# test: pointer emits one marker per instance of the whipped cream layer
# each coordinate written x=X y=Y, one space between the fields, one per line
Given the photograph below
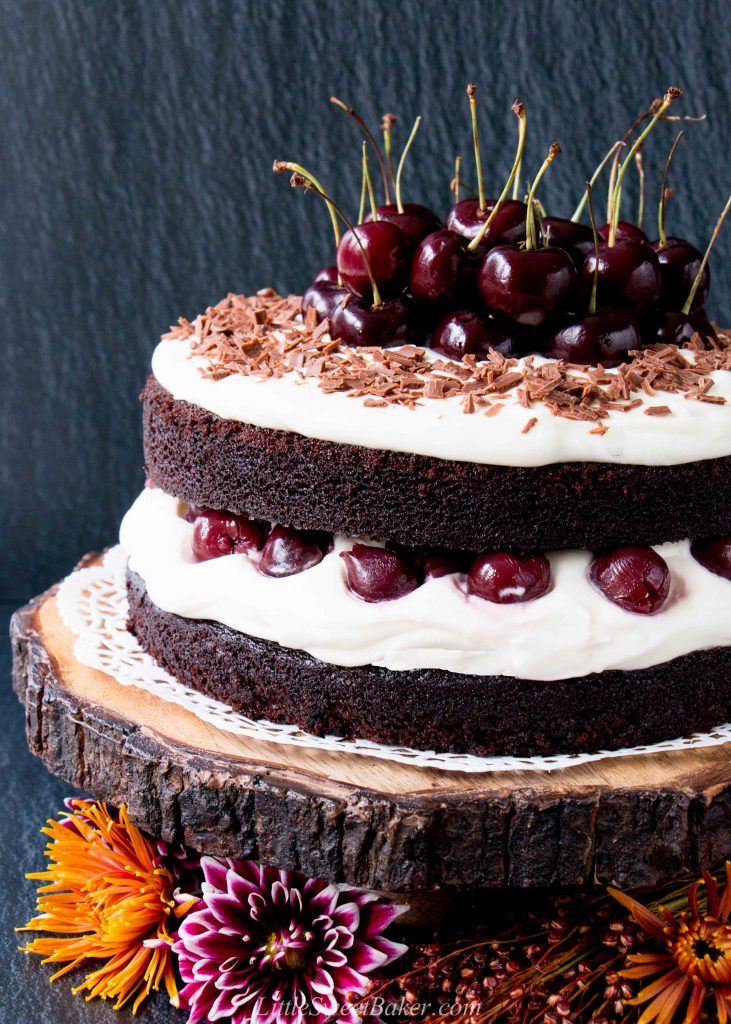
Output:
x=693 y=431
x=571 y=631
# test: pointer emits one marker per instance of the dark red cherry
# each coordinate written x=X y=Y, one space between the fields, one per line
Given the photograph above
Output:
x=416 y=221
x=437 y=267
x=324 y=297
x=288 y=551
x=637 y=579
x=526 y=285
x=628 y=275
x=328 y=274
x=673 y=328
x=703 y=325
x=508 y=225
x=438 y=562
x=388 y=251
x=505 y=578
x=466 y=332
x=605 y=338
x=222 y=533
x=714 y=554
x=357 y=322
x=467 y=219
x=576 y=239
x=625 y=229
x=377 y=574
x=679 y=265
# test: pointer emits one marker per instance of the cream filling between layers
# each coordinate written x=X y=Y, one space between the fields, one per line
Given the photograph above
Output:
x=438 y=427
x=571 y=631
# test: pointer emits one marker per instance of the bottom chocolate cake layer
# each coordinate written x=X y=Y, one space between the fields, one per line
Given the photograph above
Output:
x=431 y=709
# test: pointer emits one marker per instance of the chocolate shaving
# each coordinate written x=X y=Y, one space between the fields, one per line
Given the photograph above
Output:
x=265 y=336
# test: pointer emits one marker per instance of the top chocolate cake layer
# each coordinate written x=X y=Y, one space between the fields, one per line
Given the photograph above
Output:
x=419 y=500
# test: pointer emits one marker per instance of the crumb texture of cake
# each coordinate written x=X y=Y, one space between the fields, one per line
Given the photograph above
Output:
x=429 y=709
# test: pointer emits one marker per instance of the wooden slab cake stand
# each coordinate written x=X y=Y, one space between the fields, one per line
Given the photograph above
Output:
x=633 y=821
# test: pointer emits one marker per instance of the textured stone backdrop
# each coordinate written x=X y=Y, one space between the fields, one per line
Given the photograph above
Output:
x=137 y=143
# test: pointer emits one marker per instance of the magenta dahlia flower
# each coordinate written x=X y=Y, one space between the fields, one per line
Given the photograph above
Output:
x=264 y=946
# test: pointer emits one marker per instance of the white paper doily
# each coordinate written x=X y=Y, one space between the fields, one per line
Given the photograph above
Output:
x=93 y=604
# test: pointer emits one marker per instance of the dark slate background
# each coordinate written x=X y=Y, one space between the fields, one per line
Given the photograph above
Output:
x=135 y=185
x=136 y=155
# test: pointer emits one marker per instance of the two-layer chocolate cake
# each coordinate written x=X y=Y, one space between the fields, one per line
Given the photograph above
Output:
x=466 y=496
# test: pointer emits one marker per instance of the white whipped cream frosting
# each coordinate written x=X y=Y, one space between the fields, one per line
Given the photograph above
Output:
x=571 y=631
x=438 y=427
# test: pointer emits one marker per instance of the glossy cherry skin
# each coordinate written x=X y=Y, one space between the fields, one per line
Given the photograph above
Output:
x=714 y=554
x=628 y=275
x=328 y=274
x=527 y=286
x=466 y=332
x=357 y=322
x=222 y=533
x=388 y=251
x=324 y=297
x=416 y=221
x=625 y=229
x=505 y=578
x=377 y=574
x=635 y=578
x=679 y=265
x=508 y=225
x=671 y=328
x=438 y=562
x=604 y=338
x=437 y=267
x=288 y=551
x=576 y=239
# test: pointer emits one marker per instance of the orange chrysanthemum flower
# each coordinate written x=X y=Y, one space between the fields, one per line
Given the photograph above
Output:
x=110 y=895
x=696 y=961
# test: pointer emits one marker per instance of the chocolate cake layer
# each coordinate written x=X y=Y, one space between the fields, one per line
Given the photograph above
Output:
x=416 y=500
x=431 y=709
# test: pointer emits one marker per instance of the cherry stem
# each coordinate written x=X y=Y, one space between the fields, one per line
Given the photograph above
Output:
x=664 y=193
x=363 y=193
x=280 y=165
x=576 y=215
x=455 y=183
x=402 y=161
x=595 y=281
x=471 y=93
x=670 y=96
x=301 y=178
x=694 y=288
x=369 y=183
x=516 y=180
x=531 y=237
x=387 y=123
x=369 y=135
x=641 y=178
x=519 y=111
x=613 y=179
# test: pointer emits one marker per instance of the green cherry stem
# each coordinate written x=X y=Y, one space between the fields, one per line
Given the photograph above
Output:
x=576 y=215
x=402 y=161
x=369 y=135
x=369 y=183
x=670 y=96
x=519 y=111
x=301 y=178
x=613 y=179
x=664 y=192
x=595 y=281
x=455 y=183
x=531 y=236
x=281 y=165
x=363 y=194
x=641 y=178
x=471 y=93
x=387 y=123
x=704 y=261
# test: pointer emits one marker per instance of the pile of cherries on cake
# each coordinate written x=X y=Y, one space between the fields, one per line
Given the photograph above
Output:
x=501 y=274
x=635 y=578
